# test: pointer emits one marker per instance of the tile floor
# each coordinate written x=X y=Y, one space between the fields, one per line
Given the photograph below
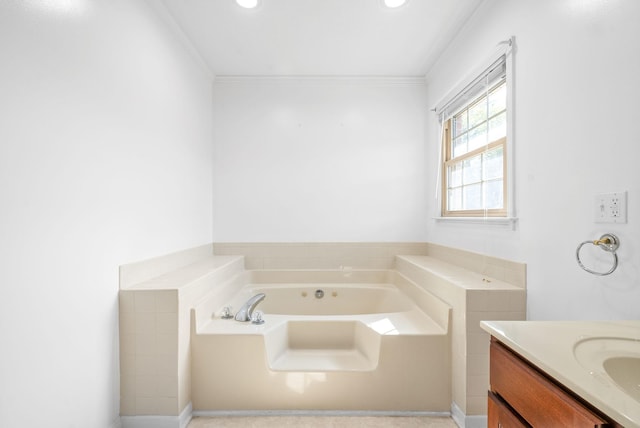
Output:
x=322 y=422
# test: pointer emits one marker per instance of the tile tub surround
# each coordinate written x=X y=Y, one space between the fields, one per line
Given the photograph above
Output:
x=502 y=298
x=155 y=362
x=473 y=297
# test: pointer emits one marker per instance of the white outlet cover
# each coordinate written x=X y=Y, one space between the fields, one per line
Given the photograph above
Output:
x=610 y=207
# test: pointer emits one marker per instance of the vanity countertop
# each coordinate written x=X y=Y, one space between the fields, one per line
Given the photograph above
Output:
x=572 y=353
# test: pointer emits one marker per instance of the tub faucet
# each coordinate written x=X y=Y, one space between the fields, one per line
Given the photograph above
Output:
x=245 y=312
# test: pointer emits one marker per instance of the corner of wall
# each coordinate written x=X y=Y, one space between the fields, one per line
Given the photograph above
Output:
x=464 y=421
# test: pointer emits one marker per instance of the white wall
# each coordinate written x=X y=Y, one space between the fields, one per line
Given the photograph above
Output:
x=576 y=103
x=105 y=158
x=319 y=159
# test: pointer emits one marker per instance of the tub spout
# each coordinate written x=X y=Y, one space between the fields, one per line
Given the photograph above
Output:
x=245 y=312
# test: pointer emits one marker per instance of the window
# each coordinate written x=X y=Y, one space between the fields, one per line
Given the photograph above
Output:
x=474 y=147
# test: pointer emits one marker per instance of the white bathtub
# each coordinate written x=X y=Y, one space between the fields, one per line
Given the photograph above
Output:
x=374 y=341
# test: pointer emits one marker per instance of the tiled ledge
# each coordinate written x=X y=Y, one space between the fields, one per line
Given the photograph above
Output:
x=501 y=269
x=474 y=296
x=461 y=277
x=181 y=278
x=155 y=299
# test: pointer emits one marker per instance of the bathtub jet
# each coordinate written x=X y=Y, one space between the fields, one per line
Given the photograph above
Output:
x=246 y=311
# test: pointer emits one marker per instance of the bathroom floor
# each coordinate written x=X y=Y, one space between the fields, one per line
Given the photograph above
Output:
x=322 y=422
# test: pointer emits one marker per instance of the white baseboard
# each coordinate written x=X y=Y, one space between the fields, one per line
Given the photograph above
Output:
x=185 y=416
x=211 y=413
x=180 y=421
x=117 y=423
x=464 y=421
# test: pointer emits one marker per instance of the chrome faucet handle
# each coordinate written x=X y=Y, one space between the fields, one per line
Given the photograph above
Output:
x=226 y=313
x=257 y=318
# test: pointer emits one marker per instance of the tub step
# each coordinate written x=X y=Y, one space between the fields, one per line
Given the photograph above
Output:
x=322 y=346
x=322 y=360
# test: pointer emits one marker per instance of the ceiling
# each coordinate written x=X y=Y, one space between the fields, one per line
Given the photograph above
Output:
x=320 y=37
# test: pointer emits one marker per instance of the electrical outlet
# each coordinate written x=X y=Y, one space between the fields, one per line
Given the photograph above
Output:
x=610 y=207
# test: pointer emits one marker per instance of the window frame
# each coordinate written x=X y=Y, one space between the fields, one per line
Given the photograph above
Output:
x=448 y=160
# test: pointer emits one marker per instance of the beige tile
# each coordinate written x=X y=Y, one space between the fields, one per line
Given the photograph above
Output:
x=477 y=404
x=145 y=301
x=167 y=344
x=166 y=386
x=127 y=344
x=477 y=384
x=518 y=302
x=478 y=364
x=146 y=365
x=146 y=386
x=127 y=405
x=127 y=323
x=478 y=343
x=503 y=300
x=478 y=300
x=167 y=364
x=145 y=344
x=146 y=406
x=145 y=323
x=167 y=301
x=126 y=301
x=167 y=406
x=128 y=386
x=167 y=323
x=473 y=321
x=127 y=364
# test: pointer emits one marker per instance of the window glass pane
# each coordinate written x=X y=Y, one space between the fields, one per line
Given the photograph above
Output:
x=460 y=123
x=478 y=137
x=478 y=112
x=493 y=163
x=455 y=199
x=498 y=99
x=498 y=127
x=477 y=183
x=472 y=170
x=472 y=197
x=493 y=194
x=455 y=176
x=460 y=146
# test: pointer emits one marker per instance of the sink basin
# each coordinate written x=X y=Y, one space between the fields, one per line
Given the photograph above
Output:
x=625 y=372
x=612 y=360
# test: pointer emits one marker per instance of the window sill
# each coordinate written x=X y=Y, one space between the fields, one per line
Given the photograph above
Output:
x=493 y=221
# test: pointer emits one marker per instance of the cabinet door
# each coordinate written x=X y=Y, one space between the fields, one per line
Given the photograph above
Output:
x=501 y=416
x=538 y=400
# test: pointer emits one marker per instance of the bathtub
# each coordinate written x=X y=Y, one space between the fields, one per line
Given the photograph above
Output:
x=332 y=340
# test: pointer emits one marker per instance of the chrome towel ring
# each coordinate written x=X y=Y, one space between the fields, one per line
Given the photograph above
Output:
x=608 y=242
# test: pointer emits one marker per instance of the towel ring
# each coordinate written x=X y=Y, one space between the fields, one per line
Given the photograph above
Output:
x=607 y=242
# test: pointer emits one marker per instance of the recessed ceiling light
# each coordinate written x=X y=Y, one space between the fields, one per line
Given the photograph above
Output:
x=248 y=4
x=394 y=3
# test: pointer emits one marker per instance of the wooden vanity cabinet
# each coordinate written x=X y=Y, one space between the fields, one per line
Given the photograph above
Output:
x=522 y=396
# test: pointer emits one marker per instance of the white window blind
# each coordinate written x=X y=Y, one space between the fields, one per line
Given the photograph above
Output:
x=484 y=80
